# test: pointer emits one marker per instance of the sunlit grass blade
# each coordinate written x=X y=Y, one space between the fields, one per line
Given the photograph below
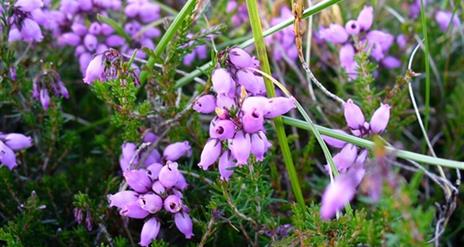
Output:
x=427 y=65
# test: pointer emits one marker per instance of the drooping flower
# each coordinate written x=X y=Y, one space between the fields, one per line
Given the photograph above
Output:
x=11 y=143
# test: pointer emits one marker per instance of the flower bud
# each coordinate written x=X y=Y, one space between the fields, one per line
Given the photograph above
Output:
x=44 y=98
x=222 y=82
x=71 y=39
x=259 y=145
x=173 y=204
x=138 y=180
x=184 y=224
x=226 y=166
x=253 y=122
x=132 y=10
x=240 y=146
x=210 y=153
x=7 y=156
x=240 y=58
x=334 y=142
x=115 y=40
x=205 y=104
x=79 y=29
x=150 y=137
x=17 y=141
x=278 y=106
x=176 y=150
x=151 y=203
x=379 y=119
x=365 y=18
x=133 y=210
x=149 y=231
x=158 y=188
x=221 y=129
x=90 y=42
x=169 y=174
x=95 y=28
x=353 y=115
x=149 y=12
x=128 y=152
x=122 y=198
x=30 y=31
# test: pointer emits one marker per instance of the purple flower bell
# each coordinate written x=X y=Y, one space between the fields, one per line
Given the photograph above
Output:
x=153 y=170
x=17 y=141
x=334 y=142
x=366 y=18
x=169 y=174
x=122 y=198
x=222 y=129
x=176 y=150
x=138 y=180
x=334 y=33
x=352 y=27
x=278 y=106
x=149 y=231
x=226 y=166
x=240 y=58
x=210 y=153
x=445 y=18
x=7 y=156
x=151 y=203
x=222 y=82
x=158 y=188
x=133 y=210
x=205 y=104
x=44 y=98
x=353 y=115
x=253 y=121
x=259 y=145
x=184 y=224
x=94 y=70
x=346 y=157
x=336 y=195
x=379 y=119
x=128 y=152
x=240 y=146
x=252 y=82
x=173 y=204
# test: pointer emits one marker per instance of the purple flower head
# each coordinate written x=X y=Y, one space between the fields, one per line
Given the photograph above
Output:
x=122 y=198
x=169 y=174
x=205 y=104
x=149 y=232
x=138 y=180
x=184 y=224
x=173 y=204
x=226 y=166
x=176 y=150
x=379 y=119
x=151 y=203
x=222 y=129
x=210 y=153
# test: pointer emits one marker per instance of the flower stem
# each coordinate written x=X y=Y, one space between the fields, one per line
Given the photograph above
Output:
x=427 y=64
x=255 y=23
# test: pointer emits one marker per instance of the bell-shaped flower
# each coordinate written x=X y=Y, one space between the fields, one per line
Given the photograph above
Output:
x=71 y=39
x=333 y=142
x=221 y=129
x=158 y=188
x=253 y=121
x=169 y=174
x=334 y=33
x=133 y=210
x=122 y=198
x=352 y=27
x=115 y=40
x=379 y=119
x=383 y=39
x=278 y=106
x=94 y=70
x=14 y=35
x=184 y=224
x=253 y=83
x=128 y=152
x=176 y=150
x=138 y=180
x=29 y=5
x=44 y=98
x=240 y=146
x=445 y=18
x=255 y=103
x=173 y=204
x=153 y=157
x=259 y=145
x=240 y=58
x=353 y=115
x=365 y=18
x=336 y=195
x=226 y=166
x=90 y=42
x=150 y=137
x=150 y=230
x=7 y=156
x=391 y=62
x=225 y=102
x=181 y=182
x=210 y=153
x=17 y=141
x=205 y=104
x=222 y=82
x=150 y=202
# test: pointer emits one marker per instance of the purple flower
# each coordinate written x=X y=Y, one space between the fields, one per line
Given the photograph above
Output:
x=17 y=141
x=128 y=152
x=149 y=232
x=353 y=115
x=122 y=198
x=253 y=121
x=205 y=104
x=184 y=224
x=138 y=180
x=30 y=31
x=151 y=203
x=173 y=204
x=133 y=210
x=176 y=150
x=240 y=146
x=158 y=188
x=336 y=195
x=346 y=157
x=7 y=156
x=252 y=82
x=352 y=27
x=153 y=170
x=379 y=119
x=94 y=70
x=365 y=18
x=226 y=166
x=222 y=129
x=169 y=175
x=44 y=98
x=210 y=153
x=334 y=33
x=240 y=58
x=259 y=145
x=222 y=82
x=28 y=5
x=278 y=106
x=445 y=18
x=334 y=142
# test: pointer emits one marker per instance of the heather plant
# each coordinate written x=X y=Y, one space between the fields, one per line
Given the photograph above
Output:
x=231 y=123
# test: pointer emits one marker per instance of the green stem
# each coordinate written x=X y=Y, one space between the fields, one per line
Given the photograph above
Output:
x=427 y=65
x=307 y=13
x=256 y=27
x=370 y=145
x=167 y=37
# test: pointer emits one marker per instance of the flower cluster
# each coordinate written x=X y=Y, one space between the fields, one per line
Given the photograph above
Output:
x=376 y=42
x=283 y=42
x=237 y=130
x=350 y=160
x=240 y=13
x=46 y=82
x=24 y=21
x=155 y=184
x=11 y=143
